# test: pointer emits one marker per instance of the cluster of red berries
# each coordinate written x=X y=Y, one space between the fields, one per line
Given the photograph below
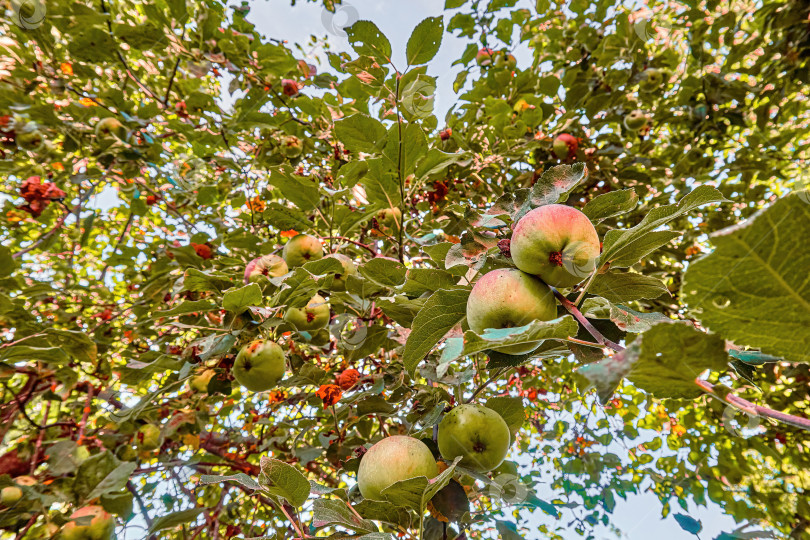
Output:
x=38 y=195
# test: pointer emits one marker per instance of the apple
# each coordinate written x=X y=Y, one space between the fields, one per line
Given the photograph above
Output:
x=565 y=146
x=476 y=433
x=392 y=460
x=505 y=59
x=635 y=120
x=291 y=146
x=10 y=495
x=484 y=56
x=313 y=316
x=259 y=365
x=302 y=249
x=148 y=437
x=389 y=219
x=349 y=269
x=508 y=298
x=26 y=481
x=267 y=265
x=109 y=127
x=199 y=382
x=289 y=87
x=653 y=79
x=557 y=243
x=89 y=523
x=30 y=140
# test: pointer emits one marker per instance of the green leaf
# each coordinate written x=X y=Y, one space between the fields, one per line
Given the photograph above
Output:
x=284 y=480
x=367 y=39
x=642 y=246
x=415 y=493
x=610 y=204
x=616 y=240
x=114 y=481
x=385 y=272
x=753 y=289
x=185 y=308
x=240 y=478
x=7 y=263
x=174 y=519
x=533 y=332
x=361 y=133
x=551 y=188
x=326 y=512
x=511 y=409
x=442 y=311
x=76 y=344
x=689 y=524
x=425 y=41
x=21 y=353
x=384 y=511
x=238 y=300
x=626 y=286
x=671 y=356
x=199 y=281
x=302 y=191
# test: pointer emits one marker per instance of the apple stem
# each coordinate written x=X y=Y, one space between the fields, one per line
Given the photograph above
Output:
x=582 y=293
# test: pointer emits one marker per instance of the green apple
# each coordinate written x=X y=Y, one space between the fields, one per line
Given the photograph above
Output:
x=349 y=269
x=110 y=128
x=199 y=382
x=302 y=249
x=148 y=437
x=484 y=56
x=508 y=298
x=389 y=219
x=635 y=120
x=30 y=140
x=565 y=146
x=268 y=265
x=259 y=365
x=314 y=316
x=557 y=243
x=476 y=433
x=653 y=79
x=392 y=460
x=291 y=146
x=89 y=523
x=10 y=495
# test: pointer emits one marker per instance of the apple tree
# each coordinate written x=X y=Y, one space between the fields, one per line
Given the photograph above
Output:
x=247 y=292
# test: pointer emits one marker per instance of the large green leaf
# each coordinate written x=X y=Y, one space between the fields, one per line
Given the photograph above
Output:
x=361 y=133
x=753 y=289
x=284 y=480
x=367 y=39
x=425 y=41
x=626 y=286
x=443 y=310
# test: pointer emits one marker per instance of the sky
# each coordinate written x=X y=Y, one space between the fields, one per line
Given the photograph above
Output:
x=639 y=516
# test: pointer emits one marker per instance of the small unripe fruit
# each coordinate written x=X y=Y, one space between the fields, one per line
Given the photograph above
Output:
x=557 y=243
x=392 y=460
x=291 y=146
x=148 y=437
x=314 y=316
x=565 y=146
x=110 y=127
x=30 y=140
x=477 y=433
x=349 y=269
x=635 y=120
x=10 y=495
x=89 y=523
x=508 y=298
x=267 y=265
x=484 y=56
x=259 y=365
x=653 y=79
x=302 y=249
x=389 y=219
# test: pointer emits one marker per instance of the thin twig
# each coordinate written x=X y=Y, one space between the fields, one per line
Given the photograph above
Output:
x=572 y=309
